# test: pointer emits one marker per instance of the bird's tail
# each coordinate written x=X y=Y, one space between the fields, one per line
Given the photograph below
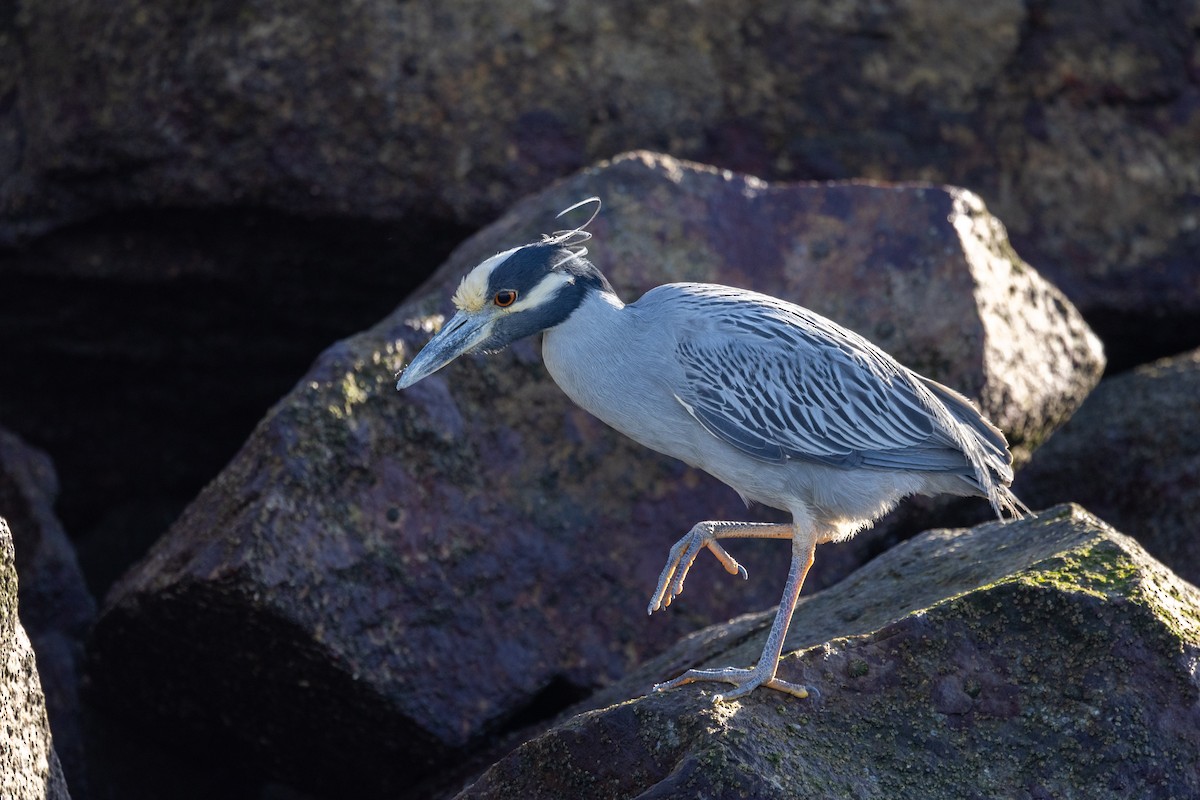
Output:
x=1005 y=502
x=987 y=451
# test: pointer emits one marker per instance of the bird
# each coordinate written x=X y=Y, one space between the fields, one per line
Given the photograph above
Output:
x=789 y=408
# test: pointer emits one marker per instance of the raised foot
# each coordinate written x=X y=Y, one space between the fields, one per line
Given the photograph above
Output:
x=680 y=559
x=745 y=681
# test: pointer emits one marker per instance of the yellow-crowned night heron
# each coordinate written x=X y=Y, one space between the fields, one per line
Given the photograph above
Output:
x=790 y=409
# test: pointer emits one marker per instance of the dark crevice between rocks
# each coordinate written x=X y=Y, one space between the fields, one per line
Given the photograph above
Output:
x=556 y=702
x=1142 y=314
x=140 y=349
x=1132 y=339
x=275 y=704
x=554 y=698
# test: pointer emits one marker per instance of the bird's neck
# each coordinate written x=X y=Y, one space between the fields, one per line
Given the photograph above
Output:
x=597 y=310
x=593 y=334
x=601 y=303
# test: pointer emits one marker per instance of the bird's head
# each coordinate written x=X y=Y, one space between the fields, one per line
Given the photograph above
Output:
x=512 y=295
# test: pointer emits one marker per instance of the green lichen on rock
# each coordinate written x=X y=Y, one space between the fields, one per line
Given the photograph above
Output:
x=1055 y=659
x=1113 y=567
x=1104 y=570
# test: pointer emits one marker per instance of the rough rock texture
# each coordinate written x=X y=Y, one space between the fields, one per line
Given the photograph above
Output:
x=114 y=331
x=29 y=768
x=381 y=581
x=925 y=272
x=56 y=608
x=194 y=201
x=1131 y=454
x=1078 y=122
x=1047 y=658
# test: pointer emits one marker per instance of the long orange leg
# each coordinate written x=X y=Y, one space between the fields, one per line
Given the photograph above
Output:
x=804 y=545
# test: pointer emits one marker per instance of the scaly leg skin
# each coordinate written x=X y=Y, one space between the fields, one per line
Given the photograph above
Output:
x=746 y=681
x=763 y=674
x=702 y=535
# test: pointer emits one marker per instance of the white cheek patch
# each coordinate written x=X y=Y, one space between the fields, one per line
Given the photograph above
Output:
x=545 y=289
x=472 y=293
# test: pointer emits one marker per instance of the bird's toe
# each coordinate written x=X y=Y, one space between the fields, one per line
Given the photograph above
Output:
x=744 y=682
x=730 y=563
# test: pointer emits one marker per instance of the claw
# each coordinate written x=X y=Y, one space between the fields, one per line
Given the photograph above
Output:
x=679 y=563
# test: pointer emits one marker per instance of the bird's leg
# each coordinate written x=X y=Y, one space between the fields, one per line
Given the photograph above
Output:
x=705 y=534
x=804 y=544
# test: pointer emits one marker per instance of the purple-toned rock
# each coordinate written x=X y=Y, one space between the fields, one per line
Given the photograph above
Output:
x=1078 y=122
x=1132 y=455
x=208 y=199
x=384 y=581
x=1051 y=657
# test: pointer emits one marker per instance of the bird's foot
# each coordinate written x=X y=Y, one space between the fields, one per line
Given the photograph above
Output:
x=679 y=561
x=744 y=681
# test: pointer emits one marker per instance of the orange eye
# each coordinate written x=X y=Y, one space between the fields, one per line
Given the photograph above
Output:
x=505 y=297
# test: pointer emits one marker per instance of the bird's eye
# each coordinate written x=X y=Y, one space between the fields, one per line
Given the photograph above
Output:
x=505 y=297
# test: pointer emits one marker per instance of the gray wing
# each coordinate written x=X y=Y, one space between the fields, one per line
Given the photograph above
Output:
x=780 y=382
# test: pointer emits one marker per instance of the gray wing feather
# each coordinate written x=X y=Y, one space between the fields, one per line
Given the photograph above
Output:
x=779 y=382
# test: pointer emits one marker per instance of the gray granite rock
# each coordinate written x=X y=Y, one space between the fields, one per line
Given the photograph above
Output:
x=1051 y=657
x=1131 y=454
x=390 y=581
x=56 y=607
x=1076 y=122
x=29 y=767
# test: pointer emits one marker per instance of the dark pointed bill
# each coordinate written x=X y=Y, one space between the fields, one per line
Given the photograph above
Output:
x=462 y=333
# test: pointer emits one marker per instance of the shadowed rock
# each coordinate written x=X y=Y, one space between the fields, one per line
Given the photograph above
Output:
x=1077 y=122
x=175 y=185
x=1131 y=454
x=1051 y=657
x=380 y=582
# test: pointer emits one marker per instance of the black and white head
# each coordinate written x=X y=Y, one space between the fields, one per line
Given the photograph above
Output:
x=512 y=295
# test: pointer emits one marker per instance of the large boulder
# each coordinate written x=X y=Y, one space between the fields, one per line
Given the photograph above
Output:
x=1076 y=122
x=56 y=607
x=29 y=767
x=116 y=332
x=1131 y=454
x=192 y=203
x=380 y=582
x=1052 y=657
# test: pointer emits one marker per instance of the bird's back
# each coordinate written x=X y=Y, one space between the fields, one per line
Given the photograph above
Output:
x=780 y=382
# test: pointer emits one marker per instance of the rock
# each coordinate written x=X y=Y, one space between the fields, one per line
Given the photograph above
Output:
x=1051 y=657
x=207 y=200
x=56 y=608
x=29 y=768
x=886 y=260
x=1076 y=122
x=1132 y=455
x=198 y=315
x=53 y=594
x=360 y=549
x=387 y=581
